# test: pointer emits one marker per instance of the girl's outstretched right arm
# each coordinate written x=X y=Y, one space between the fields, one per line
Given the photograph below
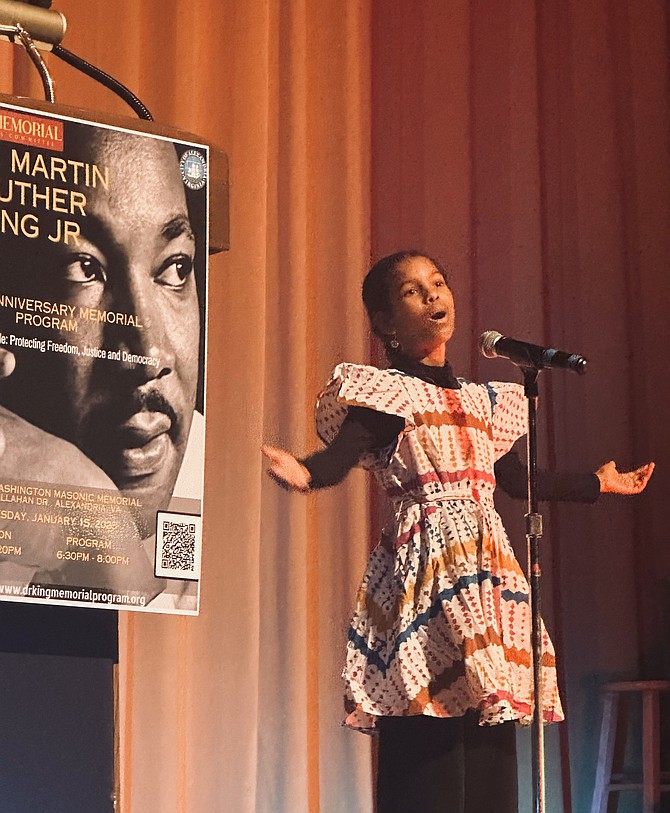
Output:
x=287 y=470
x=364 y=430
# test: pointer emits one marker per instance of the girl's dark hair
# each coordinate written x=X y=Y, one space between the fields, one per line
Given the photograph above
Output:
x=377 y=282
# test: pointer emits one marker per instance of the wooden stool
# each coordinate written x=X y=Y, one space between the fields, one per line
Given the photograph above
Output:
x=651 y=784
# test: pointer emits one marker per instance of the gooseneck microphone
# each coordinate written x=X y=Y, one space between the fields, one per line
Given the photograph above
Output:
x=43 y=24
x=494 y=345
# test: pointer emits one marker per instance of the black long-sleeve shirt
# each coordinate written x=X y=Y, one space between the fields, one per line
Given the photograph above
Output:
x=365 y=430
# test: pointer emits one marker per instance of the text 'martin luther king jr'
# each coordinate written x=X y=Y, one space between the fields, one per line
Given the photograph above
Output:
x=118 y=249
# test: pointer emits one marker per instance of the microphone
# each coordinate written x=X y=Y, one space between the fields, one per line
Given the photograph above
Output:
x=44 y=25
x=494 y=345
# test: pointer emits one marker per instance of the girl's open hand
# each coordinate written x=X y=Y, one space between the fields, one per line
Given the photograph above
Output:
x=286 y=470
x=613 y=481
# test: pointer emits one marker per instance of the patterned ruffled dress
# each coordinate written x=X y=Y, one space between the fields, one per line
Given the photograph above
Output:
x=442 y=619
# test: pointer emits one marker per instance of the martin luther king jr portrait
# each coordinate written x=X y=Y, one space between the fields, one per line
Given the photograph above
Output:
x=116 y=243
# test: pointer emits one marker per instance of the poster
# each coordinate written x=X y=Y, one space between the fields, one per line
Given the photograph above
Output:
x=103 y=284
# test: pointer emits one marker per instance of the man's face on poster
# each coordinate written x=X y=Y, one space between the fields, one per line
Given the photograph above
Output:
x=127 y=397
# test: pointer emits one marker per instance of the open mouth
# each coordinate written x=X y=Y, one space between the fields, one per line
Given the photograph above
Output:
x=438 y=315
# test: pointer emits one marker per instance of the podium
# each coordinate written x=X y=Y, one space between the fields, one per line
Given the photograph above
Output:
x=106 y=513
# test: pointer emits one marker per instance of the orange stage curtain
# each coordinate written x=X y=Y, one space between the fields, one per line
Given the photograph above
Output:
x=240 y=709
x=524 y=143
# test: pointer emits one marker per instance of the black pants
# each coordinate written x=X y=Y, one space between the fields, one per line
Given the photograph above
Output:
x=429 y=765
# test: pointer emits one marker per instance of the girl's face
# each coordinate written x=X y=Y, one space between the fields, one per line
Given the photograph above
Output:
x=422 y=314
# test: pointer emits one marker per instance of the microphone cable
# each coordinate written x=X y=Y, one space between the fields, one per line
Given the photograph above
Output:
x=35 y=25
x=105 y=79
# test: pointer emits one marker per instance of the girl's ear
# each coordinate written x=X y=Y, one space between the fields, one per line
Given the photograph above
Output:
x=382 y=324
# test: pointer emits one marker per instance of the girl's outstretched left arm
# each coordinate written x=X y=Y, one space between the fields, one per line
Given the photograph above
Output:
x=613 y=481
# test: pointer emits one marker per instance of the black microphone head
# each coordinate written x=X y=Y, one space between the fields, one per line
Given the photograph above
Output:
x=579 y=365
x=487 y=343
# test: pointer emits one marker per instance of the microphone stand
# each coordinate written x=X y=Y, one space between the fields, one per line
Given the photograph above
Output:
x=533 y=536
x=531 y=358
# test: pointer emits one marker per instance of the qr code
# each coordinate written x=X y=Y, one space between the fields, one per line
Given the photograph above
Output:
x=178 y=545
